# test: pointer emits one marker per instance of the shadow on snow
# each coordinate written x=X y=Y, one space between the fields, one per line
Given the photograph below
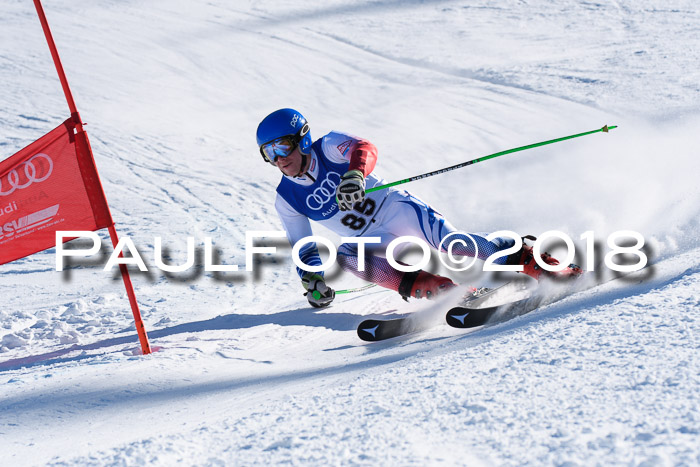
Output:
x=306 y=316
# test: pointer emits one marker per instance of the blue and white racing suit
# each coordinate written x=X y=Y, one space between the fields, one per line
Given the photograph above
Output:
x=388 y=214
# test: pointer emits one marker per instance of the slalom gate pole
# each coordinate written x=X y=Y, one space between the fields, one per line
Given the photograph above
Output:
x=57 y=63
x=140 y=328
x=605 y=129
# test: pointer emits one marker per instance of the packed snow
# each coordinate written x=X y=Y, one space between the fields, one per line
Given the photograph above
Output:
x=246 y=372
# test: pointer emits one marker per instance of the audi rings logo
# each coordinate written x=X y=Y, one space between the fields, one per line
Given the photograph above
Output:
x=35 y=170
x=324 y=193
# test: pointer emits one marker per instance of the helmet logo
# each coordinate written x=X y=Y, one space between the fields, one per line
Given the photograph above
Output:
x=294 y=121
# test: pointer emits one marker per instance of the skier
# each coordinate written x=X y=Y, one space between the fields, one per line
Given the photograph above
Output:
x=340 y=167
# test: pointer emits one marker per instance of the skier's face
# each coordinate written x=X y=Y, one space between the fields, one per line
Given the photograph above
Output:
x=290 y=165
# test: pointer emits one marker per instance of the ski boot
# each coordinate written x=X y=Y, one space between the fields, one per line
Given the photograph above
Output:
x=472 y=293
x=421 y=284
x=526 y=258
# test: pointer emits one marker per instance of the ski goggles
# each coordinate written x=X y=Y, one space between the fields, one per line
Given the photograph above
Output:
x=280 y=147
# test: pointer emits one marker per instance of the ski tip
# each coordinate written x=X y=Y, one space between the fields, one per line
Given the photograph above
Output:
x=367 y=330
x=378 y=330
x=457 y=316
x=461 y=317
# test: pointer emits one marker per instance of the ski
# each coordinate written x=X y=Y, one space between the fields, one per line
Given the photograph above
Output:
x=472 y=315
x=483 y=306
x=465 y=317
x=373 y=330
x=379 y=329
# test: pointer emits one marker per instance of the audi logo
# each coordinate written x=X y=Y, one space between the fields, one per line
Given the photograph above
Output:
x=324 y=193
x=37 y=169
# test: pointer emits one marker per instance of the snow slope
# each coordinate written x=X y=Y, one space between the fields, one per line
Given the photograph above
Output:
x=247 y=374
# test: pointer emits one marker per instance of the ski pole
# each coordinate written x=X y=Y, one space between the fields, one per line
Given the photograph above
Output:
x=357 y=289
x=605 y=129
x=317 y=294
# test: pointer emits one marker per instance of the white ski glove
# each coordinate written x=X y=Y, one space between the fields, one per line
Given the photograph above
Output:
x=351 y=190
x=317 y=292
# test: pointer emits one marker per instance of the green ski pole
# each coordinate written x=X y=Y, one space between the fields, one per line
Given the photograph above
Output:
x=357 y=289
x=605 y=129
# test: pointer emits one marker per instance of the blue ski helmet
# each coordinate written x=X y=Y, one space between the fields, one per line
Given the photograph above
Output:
x=285 y=122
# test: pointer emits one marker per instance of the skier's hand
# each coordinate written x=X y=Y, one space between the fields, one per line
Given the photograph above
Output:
x=351 y=190
x=317 y=292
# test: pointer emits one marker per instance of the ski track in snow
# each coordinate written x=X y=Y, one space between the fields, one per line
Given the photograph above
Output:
x=247 y=373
